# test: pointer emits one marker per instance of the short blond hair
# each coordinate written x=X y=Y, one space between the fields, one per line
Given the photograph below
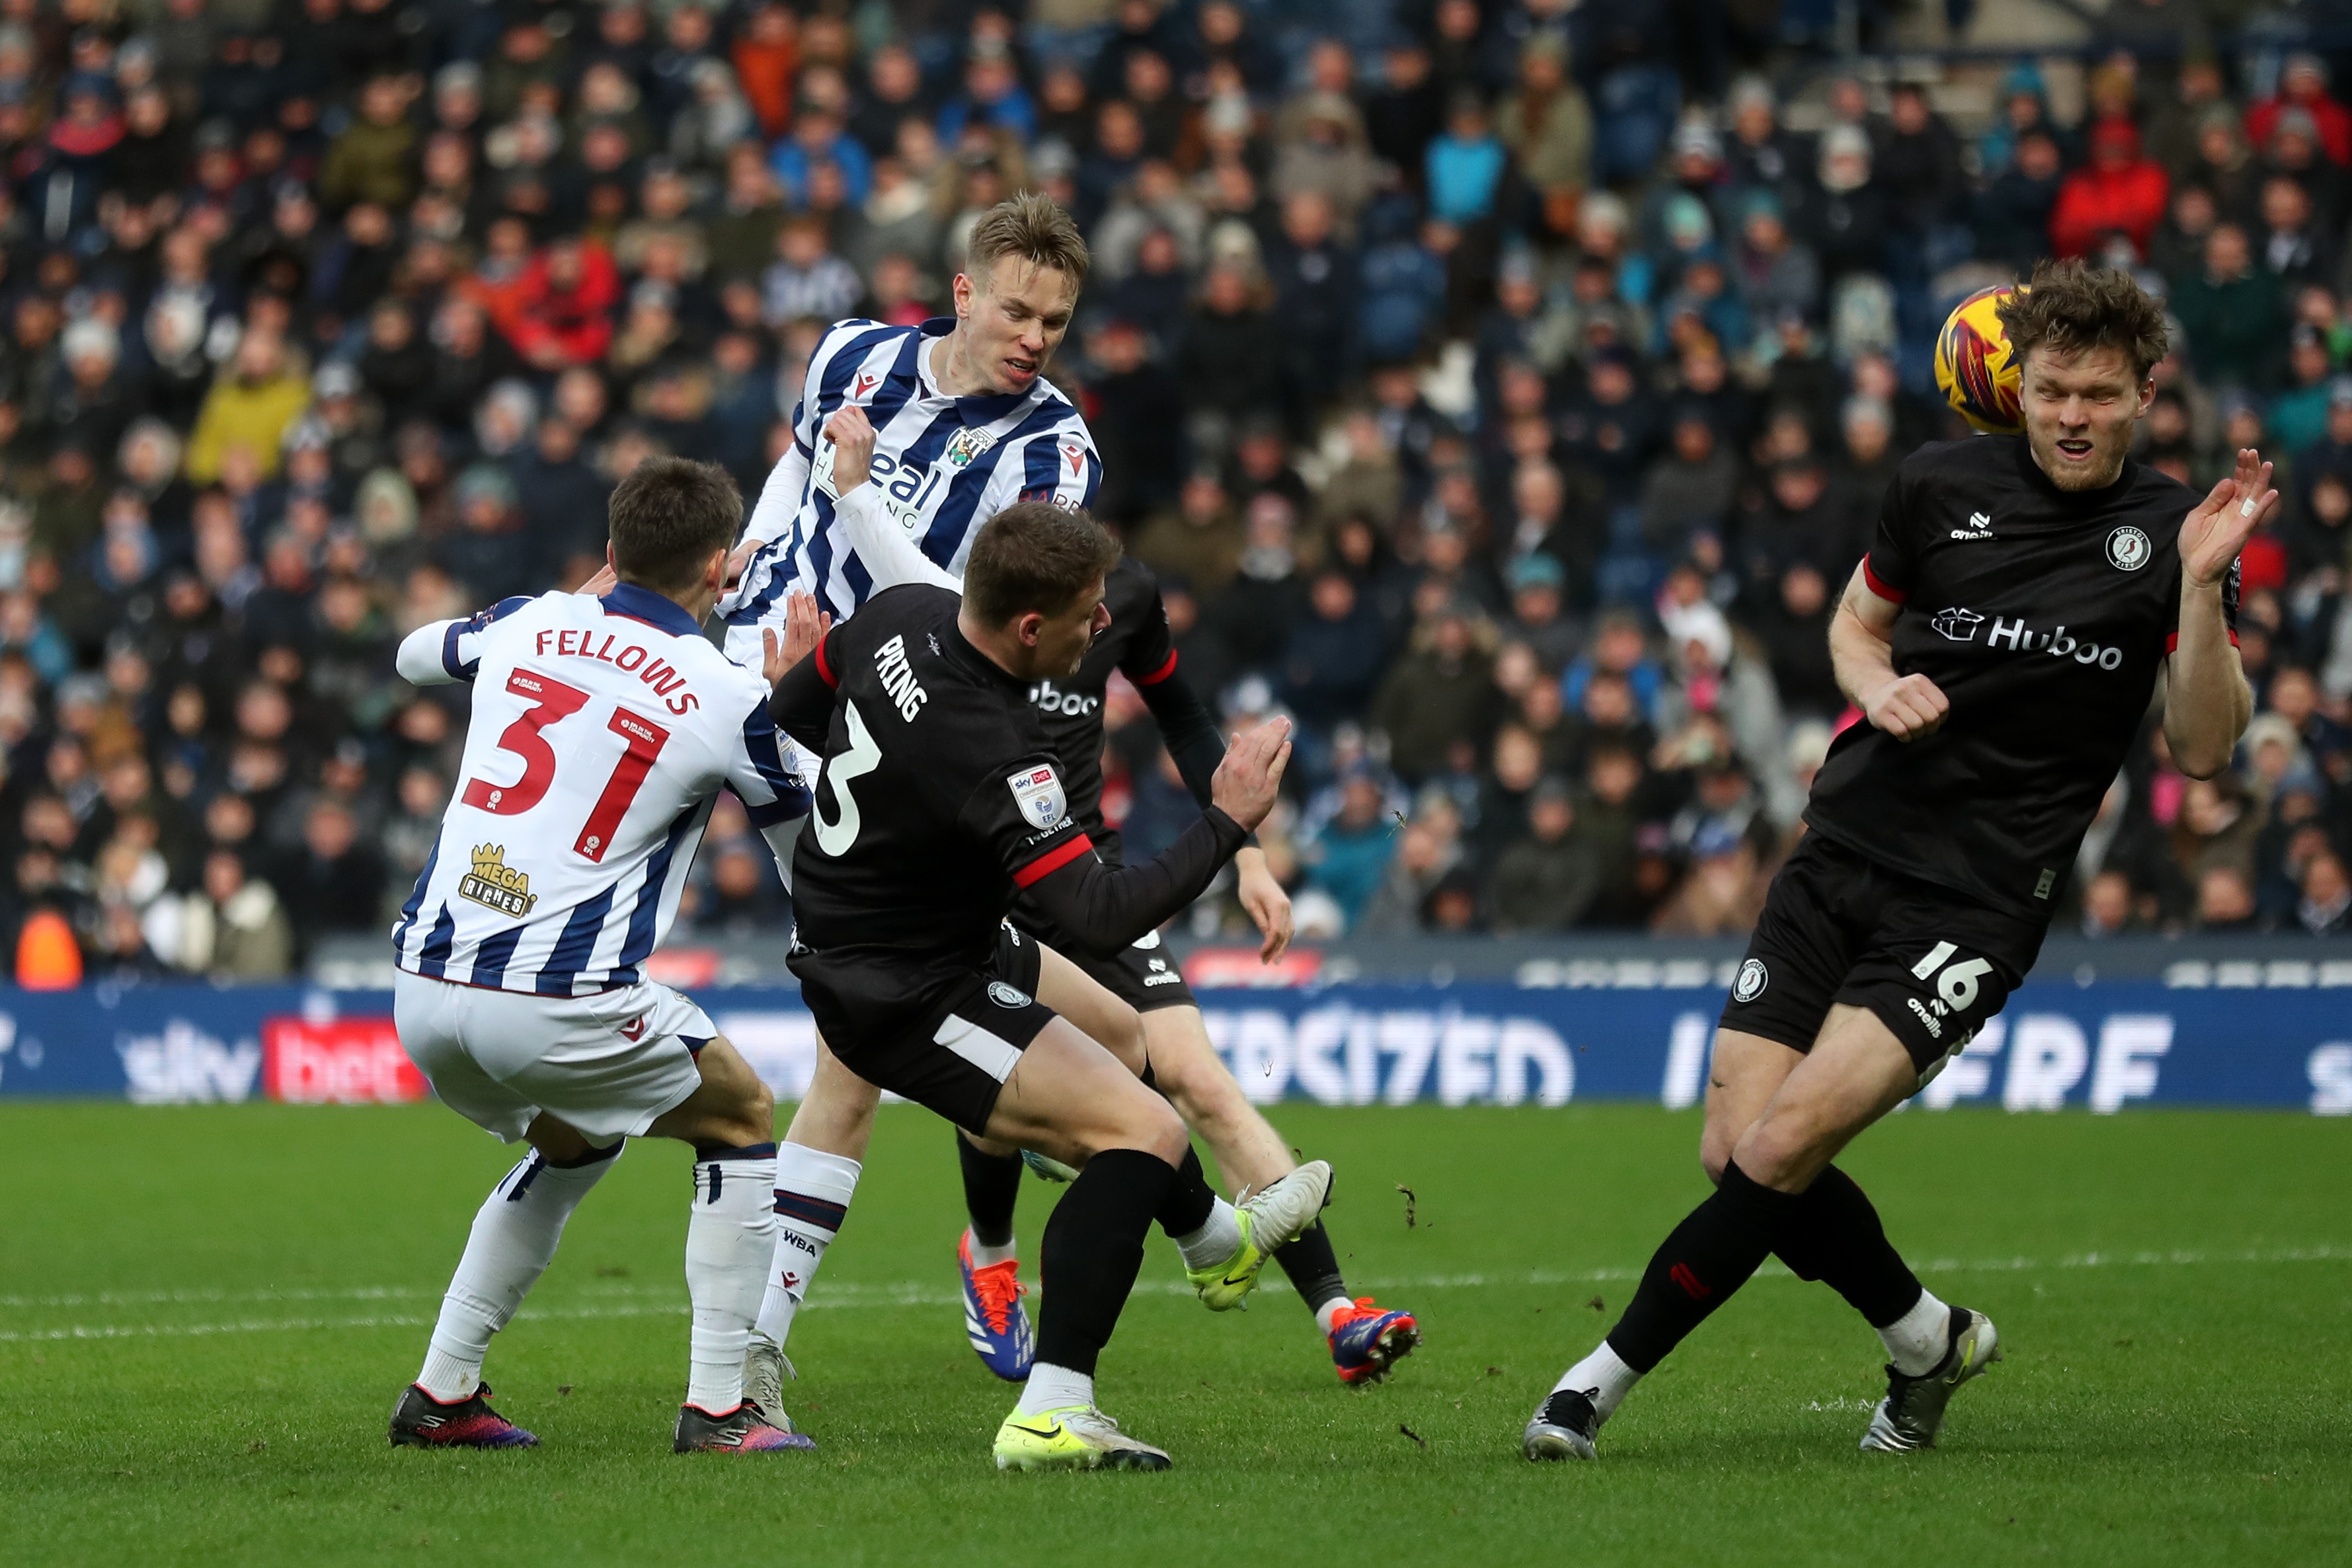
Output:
x=1033 y=228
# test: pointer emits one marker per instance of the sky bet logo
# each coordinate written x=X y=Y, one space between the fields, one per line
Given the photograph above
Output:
x=1961 y=624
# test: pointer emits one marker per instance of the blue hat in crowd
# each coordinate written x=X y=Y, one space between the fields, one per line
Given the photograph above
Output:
x=1536 y=570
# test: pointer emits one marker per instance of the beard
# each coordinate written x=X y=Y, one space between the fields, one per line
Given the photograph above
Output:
x=2108 y=451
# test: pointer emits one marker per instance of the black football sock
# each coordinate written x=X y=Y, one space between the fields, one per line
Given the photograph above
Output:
x=1190 y=1199
x=1092 y=1252
x=1710 y=1254
x=1833 y=1234
x=1313 y=1268
x=991 y=1185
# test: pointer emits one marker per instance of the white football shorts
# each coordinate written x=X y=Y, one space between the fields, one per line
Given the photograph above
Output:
x=608 y=1064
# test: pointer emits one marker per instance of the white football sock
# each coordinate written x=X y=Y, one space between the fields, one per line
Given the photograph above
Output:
x=512 y=1242
x=812 y=1197
x=1052 y=1387
x=1329 y=1311
x=982 y=1255
x=1213 y=1242
x=1603 y=1377
x=1917 y=1341
x=731 y=1238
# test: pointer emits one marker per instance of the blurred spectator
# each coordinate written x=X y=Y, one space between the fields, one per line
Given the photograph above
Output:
x=375 y=159
x=247 y=411
x=1547 y=125
x=807 y=281
x=2232 y=313
x=2120 y=192
x=2012 y=213
x=1539 y=620
x=2326 y=908
x=1324 y=150
x=1690 y=487
x=1332 y=661
x=1439 y=692
x=1429 y=852
x=234 y=927
x=2225 y=902
x=331 y=884
x=1347 y=845
x=1546 y=880
x=2302 y=85
x=1722 y=894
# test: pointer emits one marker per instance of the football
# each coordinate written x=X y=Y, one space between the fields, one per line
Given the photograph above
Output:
x=1974 y=369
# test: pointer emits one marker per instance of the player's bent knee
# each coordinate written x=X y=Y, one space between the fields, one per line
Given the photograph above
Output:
x=1142 y=1121
x=1781 y=1151
x=1716 y=1144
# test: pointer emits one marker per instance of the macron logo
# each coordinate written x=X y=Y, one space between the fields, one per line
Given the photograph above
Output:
x=1980 y=527
x=866 y=382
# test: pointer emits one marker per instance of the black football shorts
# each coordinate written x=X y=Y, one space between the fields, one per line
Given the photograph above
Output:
x=945 y=1038
x=1839 y=927
x=1143 y=975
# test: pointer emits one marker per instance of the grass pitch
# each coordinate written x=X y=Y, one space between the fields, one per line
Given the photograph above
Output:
x=206 y=1315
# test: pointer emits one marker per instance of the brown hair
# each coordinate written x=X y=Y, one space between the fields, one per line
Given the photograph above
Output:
x=2068 y=307
x=668 y=517
x=1033 y=228
x=1034 y=555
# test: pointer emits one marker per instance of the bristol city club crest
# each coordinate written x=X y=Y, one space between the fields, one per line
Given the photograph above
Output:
x=2128 y=549
x=1039 y=792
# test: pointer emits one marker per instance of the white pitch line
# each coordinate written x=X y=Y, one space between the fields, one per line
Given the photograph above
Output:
x=344 y=1293
x=910 y=1293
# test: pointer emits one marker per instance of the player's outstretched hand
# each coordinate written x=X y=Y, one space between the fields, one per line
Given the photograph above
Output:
x=804 y=627
x=1907 y=707
x=1248 y=780
x=851 y=435
x=1263 y=897
x=2212 y=534
x=603 y=582
x=738 y=558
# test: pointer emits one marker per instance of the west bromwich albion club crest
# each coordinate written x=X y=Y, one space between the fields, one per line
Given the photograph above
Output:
x=967 y=443
x=1039 y=792
x=494 y=885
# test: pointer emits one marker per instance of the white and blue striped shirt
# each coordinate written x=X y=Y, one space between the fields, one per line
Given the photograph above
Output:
x=602 y=733
x=942 y=467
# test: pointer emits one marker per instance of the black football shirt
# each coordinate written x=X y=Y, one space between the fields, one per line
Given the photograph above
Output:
x=2045 y=615
x=941 y=793
x=1138 y=644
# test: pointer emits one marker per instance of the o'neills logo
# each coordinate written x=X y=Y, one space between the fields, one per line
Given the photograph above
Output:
x=493 y=885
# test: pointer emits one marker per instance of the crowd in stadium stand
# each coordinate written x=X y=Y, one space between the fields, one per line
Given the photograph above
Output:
x=1504 y=388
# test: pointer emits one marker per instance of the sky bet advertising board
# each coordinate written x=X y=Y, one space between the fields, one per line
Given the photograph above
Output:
x=2110 y=1047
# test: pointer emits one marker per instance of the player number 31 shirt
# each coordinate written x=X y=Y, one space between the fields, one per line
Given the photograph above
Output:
x=2045 y=615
